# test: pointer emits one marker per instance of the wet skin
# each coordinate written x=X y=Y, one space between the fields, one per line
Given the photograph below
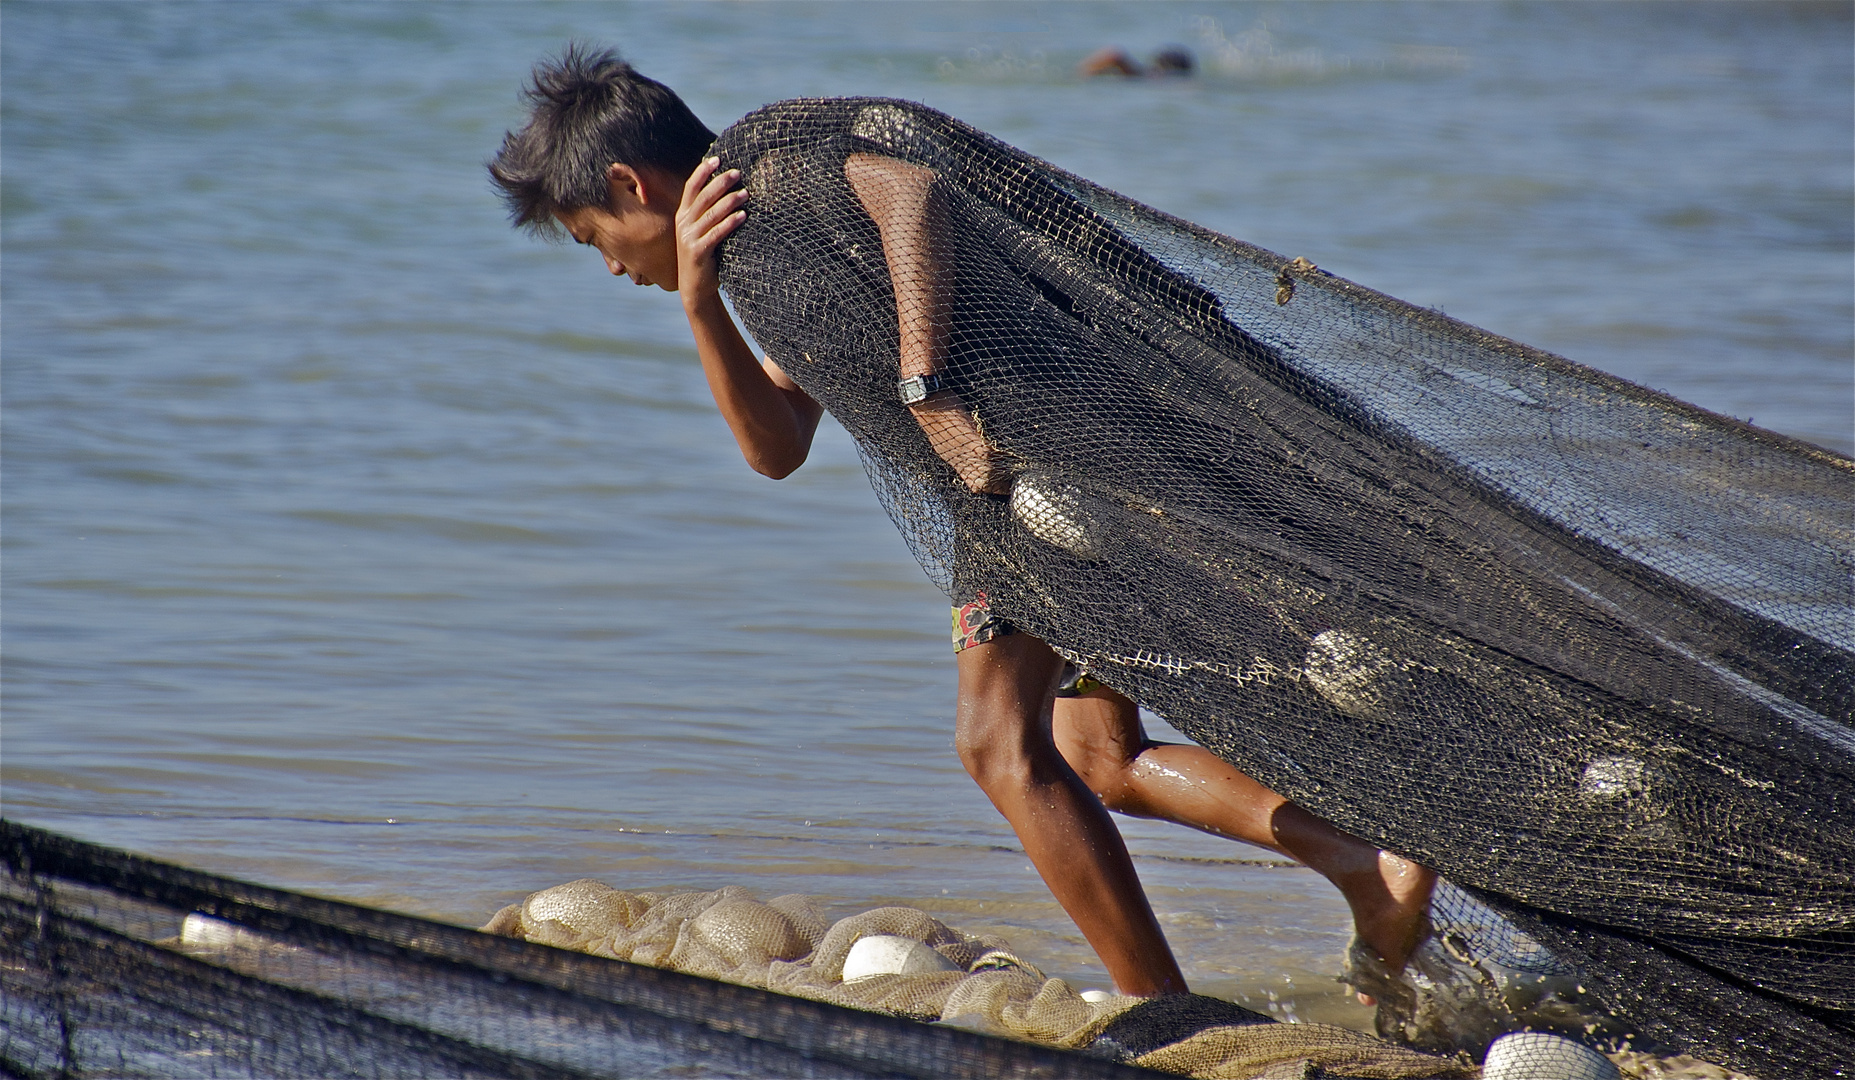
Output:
x=1052 y=768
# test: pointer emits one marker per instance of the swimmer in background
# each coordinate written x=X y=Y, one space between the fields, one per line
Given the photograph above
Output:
x=1171 y=61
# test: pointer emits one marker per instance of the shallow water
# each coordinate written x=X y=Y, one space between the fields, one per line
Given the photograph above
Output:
x=357 y=544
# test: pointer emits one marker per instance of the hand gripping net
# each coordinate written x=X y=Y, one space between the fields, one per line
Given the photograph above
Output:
x=1582 y=648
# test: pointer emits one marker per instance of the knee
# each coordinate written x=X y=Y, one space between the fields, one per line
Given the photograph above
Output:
x=993 y=752
x=1110 y=777
x=1101 y=738
x=1002 y=732
x=982 y=764
x=1099 y=766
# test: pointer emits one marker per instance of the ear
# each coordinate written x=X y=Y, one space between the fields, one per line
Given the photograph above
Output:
x=626 y=186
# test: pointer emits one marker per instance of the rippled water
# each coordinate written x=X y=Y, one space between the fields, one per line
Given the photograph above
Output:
x=355 y=543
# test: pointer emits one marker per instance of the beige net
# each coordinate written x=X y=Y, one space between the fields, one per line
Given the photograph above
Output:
x=120 y=966
x=904 y=962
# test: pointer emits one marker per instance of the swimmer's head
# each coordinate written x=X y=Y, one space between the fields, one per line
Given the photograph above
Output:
x=1172 y=60
x=587 y=110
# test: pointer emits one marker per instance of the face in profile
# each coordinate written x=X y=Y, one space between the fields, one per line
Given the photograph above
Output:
x=634 y=231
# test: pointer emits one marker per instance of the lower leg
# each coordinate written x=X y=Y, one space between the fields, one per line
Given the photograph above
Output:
x=1389 y=895
x=1080 y=855
x=1003 y=736
x=1101 y=735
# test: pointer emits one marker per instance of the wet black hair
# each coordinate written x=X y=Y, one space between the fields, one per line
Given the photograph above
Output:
x=588 y=109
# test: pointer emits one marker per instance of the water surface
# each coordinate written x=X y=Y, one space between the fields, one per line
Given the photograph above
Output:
x=356 y=543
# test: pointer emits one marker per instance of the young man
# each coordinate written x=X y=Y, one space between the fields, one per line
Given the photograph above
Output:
x=618 y=162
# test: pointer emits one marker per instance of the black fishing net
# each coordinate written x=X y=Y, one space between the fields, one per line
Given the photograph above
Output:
x=118 y=966
x=1582 y=648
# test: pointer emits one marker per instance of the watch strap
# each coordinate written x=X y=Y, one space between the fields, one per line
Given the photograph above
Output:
x=918 y=388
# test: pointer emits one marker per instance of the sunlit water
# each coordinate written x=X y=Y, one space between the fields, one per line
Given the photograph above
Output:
x=358 y=544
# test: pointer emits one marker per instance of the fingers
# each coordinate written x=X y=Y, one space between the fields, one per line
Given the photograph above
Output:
x=706 y=187
x=727 y=225
x=711 y=208
x=700 y=237
x=984 y=472
x=727 y=205
x=699 y=176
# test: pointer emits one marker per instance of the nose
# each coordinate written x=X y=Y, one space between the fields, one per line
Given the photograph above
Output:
x=617 y=268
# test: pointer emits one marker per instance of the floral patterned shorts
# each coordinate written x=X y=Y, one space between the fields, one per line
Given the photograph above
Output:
x=974 y=623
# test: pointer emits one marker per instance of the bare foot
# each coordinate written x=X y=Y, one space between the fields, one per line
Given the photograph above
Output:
x=1390 y=909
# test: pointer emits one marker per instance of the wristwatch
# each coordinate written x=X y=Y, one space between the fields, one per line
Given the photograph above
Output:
x=918 y=388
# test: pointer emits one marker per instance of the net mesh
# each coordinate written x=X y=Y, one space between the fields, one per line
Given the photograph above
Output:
x=1582 y=648
x=904 y=962
x=118 y=966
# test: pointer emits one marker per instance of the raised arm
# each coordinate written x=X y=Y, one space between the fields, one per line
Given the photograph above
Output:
x=772 y=419
x=900 y=198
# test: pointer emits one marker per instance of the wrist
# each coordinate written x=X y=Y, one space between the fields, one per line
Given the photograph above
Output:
x=702 y=303
x=919 y=389
x=945 y=401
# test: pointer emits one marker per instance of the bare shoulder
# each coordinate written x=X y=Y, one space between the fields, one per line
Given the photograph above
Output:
x=871 y=175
